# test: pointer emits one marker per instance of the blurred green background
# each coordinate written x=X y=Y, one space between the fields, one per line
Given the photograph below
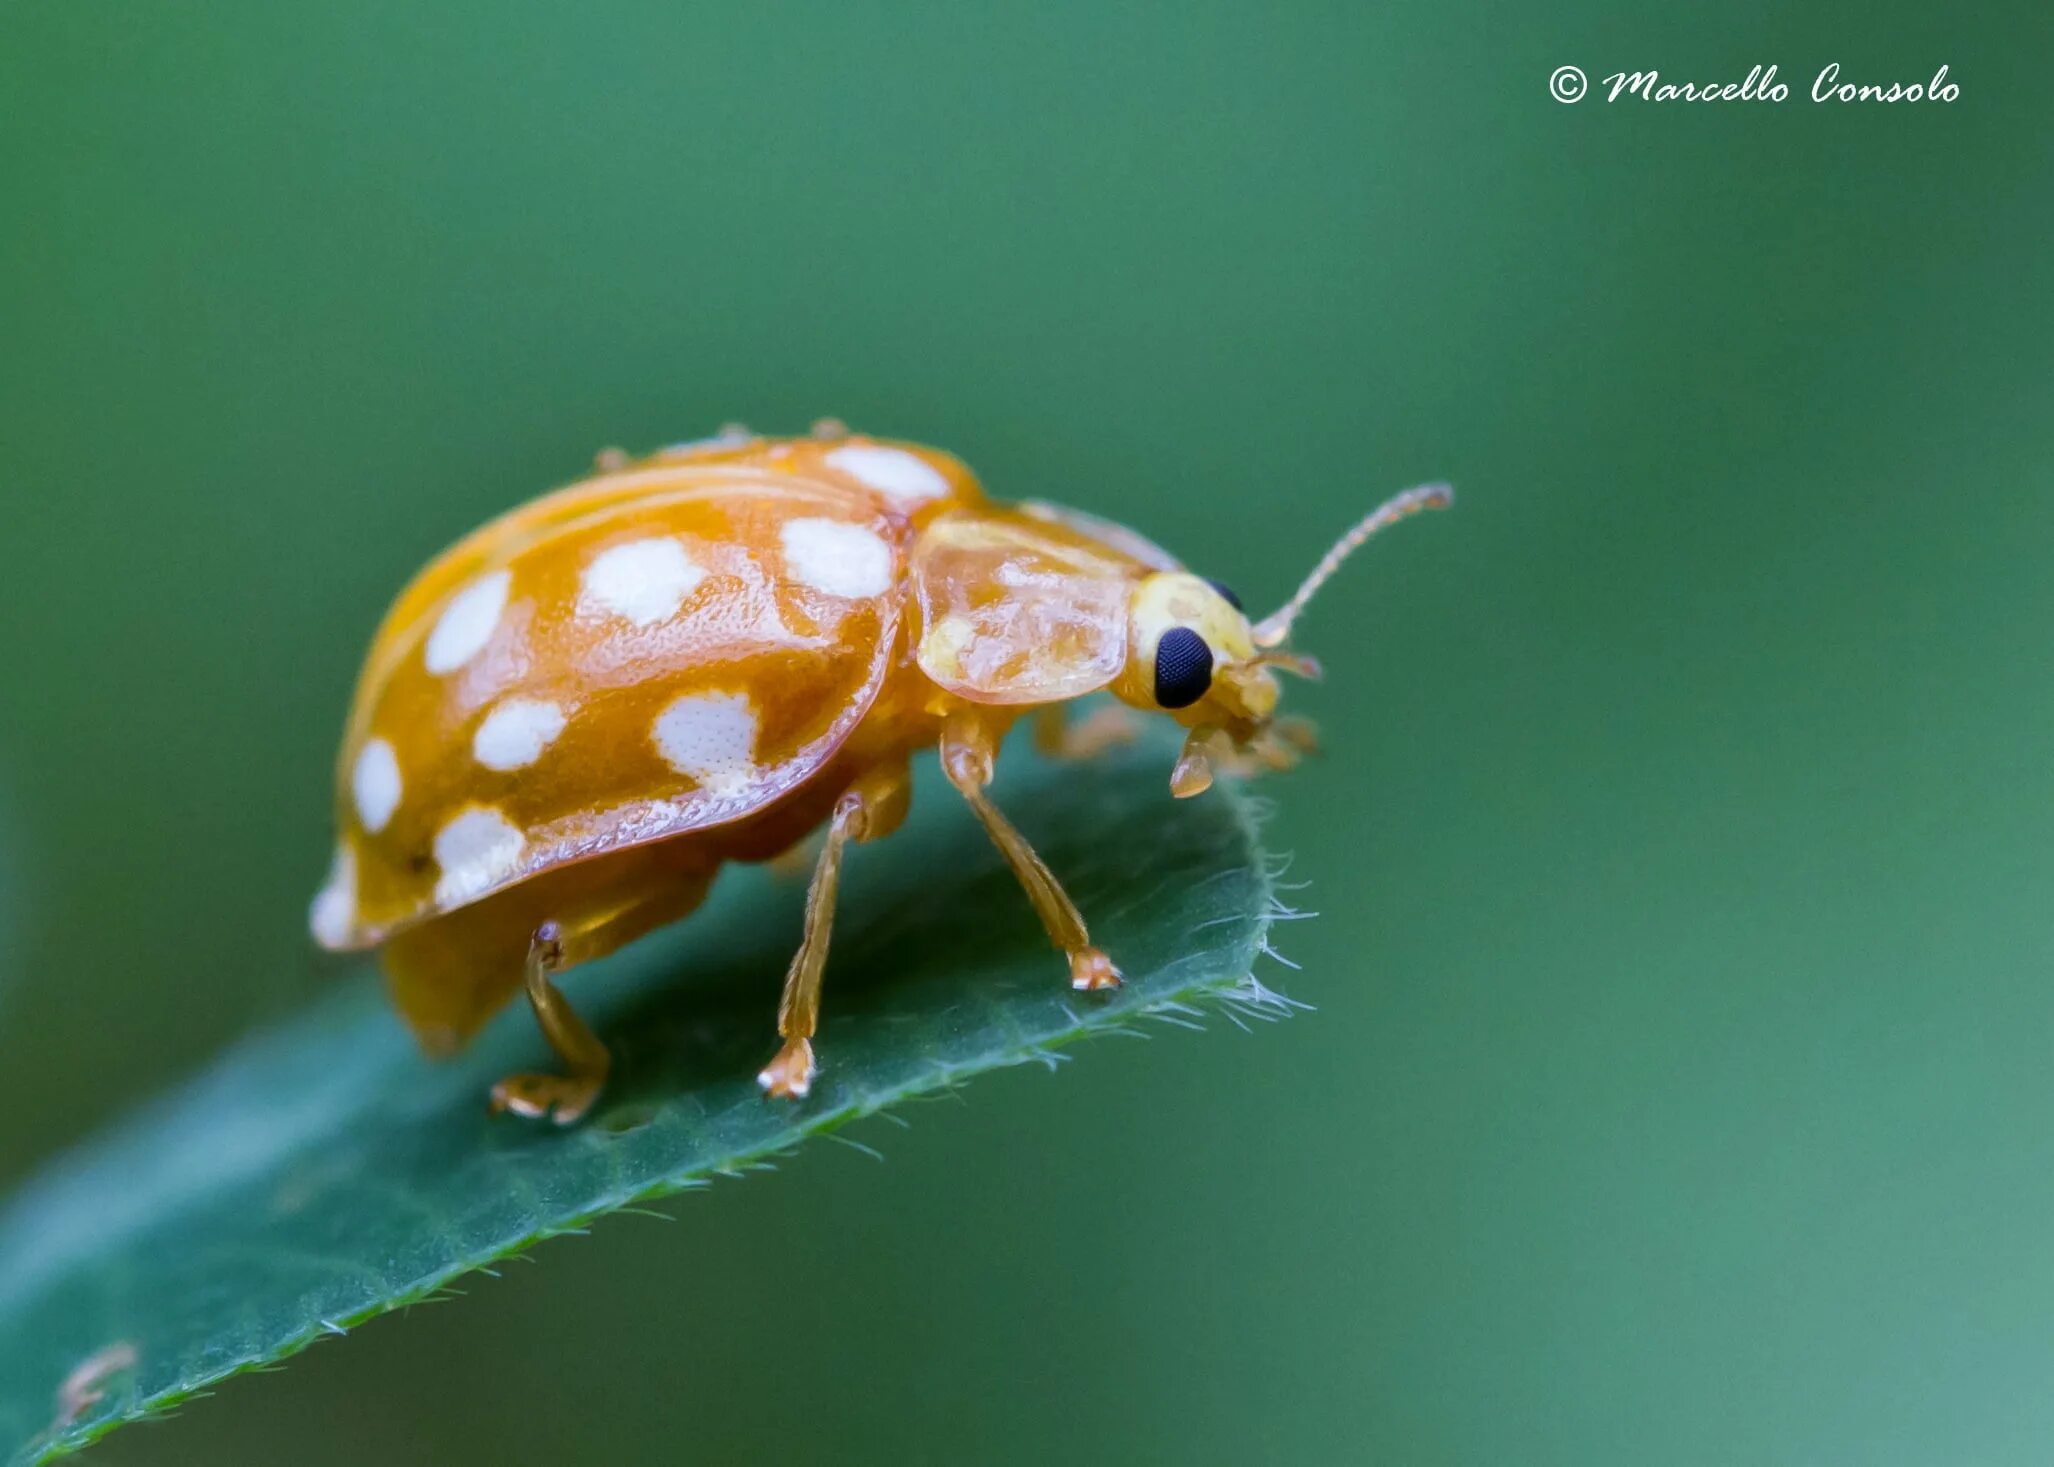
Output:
x=1680 y=1087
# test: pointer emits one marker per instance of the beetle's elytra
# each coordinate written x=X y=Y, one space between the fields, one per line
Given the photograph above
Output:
x=572 y=718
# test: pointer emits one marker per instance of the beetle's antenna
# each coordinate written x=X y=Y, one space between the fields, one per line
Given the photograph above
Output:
x=1272 y=629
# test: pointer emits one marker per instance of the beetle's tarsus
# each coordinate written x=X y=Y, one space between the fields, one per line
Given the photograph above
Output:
x=1091 y=970
x=1205 y=746
x=563 y=1099
x=790 y=1074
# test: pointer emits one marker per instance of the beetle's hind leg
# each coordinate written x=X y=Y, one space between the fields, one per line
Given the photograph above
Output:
x=969 y=747
x=566 y=1097
x=873 y=806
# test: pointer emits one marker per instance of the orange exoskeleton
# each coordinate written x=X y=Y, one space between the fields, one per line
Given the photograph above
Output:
x=572 y=718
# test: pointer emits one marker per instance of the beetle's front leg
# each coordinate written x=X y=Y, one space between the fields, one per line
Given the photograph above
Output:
x=874 y=806
x=568 y=1096
x=969 y=747
x=1105 y=727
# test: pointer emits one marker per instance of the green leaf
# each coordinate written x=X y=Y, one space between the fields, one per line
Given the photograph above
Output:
x=323 y=1172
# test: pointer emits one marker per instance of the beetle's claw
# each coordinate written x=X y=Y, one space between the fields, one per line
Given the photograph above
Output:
x=789 y=1075
x=1091 y=970
x=561 y=1098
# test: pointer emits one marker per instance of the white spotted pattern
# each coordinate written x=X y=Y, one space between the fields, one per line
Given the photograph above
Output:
x=899 y=476
x=643 y=582
x=374 y=782
x=840 y=559
x=466 y=623
x=711 y=737
x=333 y=916
x=476 y=850
x=515 y=733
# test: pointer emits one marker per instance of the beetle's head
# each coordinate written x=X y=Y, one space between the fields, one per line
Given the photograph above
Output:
x=1193 y=653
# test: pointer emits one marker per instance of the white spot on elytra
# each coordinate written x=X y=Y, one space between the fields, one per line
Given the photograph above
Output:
x=644 y=581
x=710 y=736
x=466 y=623
x=515 y=733
x=840 y=559
x=903 y=478
x=476 y=850
x=333 y=916
x=374 y=781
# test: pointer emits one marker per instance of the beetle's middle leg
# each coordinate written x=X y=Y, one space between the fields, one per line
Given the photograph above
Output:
x=969 y=747
x=872 y=807
x=563 y=1097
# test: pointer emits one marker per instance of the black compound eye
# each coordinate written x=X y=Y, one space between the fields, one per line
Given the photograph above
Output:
x=1183 y=668
x=1226 y=593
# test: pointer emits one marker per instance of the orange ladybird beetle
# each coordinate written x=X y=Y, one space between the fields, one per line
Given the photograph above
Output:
x=572 y=718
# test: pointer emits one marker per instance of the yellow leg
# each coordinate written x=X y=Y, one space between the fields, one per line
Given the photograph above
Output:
x=568 y=1096
x=870 y=808
x=969 y=745
x=1104 y=727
